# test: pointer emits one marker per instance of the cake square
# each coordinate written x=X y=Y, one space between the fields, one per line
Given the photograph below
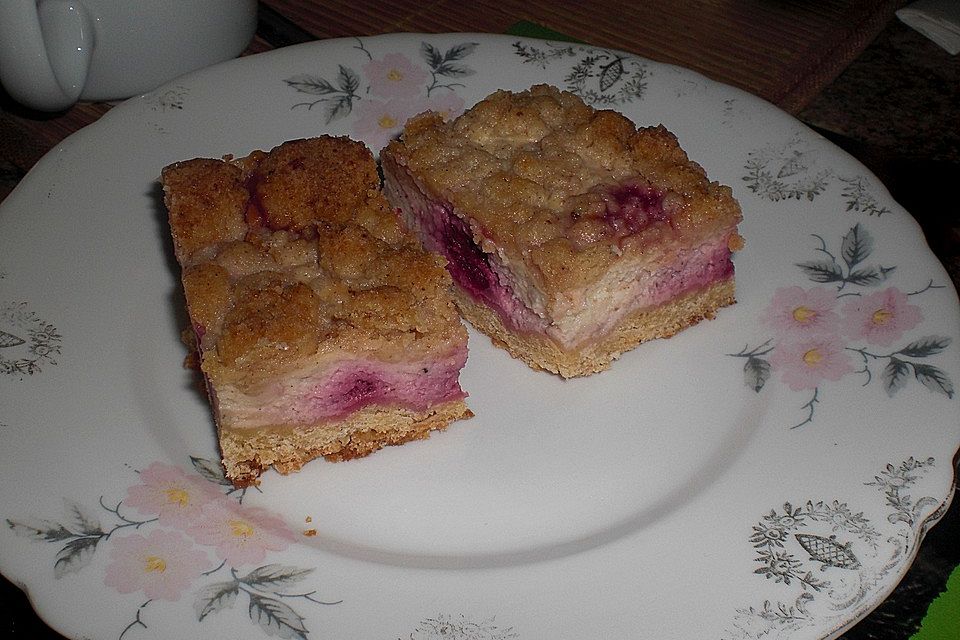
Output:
x=323 y=328
x=571 y=234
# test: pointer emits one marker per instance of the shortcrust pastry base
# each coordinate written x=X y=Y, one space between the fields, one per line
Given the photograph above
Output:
x=247 y=455
x=541 y=353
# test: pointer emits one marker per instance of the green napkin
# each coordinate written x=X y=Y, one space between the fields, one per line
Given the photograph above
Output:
x=533 y=30
x=942 y=621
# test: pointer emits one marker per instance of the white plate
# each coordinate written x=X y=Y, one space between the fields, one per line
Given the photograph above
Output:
x=665 y=498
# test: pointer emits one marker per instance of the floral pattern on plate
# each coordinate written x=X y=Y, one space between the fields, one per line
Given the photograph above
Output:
x=178 y=553
x=831 y=555
x=789 y=171
x=27 y=343
x=823 y=333
x=447 y=627
x=389 y=89
x=602 y=78
x=191 y=528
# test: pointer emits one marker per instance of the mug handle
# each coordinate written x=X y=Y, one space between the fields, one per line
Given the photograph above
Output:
x=45 y=51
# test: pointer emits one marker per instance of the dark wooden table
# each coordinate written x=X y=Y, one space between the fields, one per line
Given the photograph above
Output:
x=794 y=54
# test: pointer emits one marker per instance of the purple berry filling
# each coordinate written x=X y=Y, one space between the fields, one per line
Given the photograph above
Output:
x=469 y=266
x=357 y=385
x=632 y=208
x=467 y=263
x=364 y=391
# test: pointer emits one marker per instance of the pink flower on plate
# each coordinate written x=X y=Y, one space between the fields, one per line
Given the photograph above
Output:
x=170 y=493
x=241 y=535
x=804 y=363
x=161 y=564
x=880 y=318
x=447 y=104
x=796 y=312
x=378 y=121
x=394 y=75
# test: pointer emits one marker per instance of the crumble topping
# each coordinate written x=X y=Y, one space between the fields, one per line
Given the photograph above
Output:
x=565 y=189
x=294 y=253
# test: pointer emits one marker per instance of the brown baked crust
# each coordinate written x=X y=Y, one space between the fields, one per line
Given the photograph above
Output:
x=337 y=270
x=534 y=171
x=573 y=235
x=291 y=263
x=640 y=326
x=246 y=454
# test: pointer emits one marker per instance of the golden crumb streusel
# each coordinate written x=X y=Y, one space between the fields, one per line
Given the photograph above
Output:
x=543 y=176
x=289 y=253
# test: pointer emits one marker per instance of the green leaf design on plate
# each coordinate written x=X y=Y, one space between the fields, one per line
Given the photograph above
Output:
x=460 y=51
x=933 y=379
x=926 y=346
x=43 y=530
x=275 y=575
x=211 y=470
x=337 y=108
x=454 y=70
x=894 y=376
x=431 y=55
x=869 y=276
x=347 y=79
x=756 y=372
x=87 y=524
x=856 y=246
x=216 y=597
x=276 y=618
x=310 y=84
x=337 y=100
x=822 y=271
x=75 y=555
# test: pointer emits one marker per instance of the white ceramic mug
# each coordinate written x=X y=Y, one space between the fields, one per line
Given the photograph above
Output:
x=55 y=52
